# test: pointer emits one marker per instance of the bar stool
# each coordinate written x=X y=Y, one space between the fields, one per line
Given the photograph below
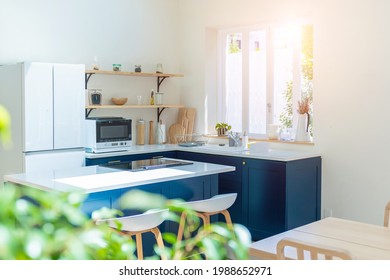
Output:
x=139 y=224
x=217 y=204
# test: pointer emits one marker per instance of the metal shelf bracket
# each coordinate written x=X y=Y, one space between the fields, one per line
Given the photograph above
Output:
x=159 y=82
x=159 y=111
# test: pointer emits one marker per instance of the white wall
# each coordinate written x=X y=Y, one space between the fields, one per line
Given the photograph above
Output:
x=351 y=87
x=121 y=31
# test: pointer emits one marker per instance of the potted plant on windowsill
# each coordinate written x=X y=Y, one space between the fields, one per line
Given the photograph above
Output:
x=222 y=128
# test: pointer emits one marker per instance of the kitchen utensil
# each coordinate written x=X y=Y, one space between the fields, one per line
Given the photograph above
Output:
x=95 y=96
x=116 y=67
x=188 y=113
x=161 y=135
x=159 y=98
x=191 y=112
x=119 y=100
x=141 y=132
x=273 y=131
x=151 y=132
x=191 y=140
x=137 y=68
x=95 y=64
x=152 y=97
x=139 y=99
x=175 y=129
x=184 y=123
x=159 y=68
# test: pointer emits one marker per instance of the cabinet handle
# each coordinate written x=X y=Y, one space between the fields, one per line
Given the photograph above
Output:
x=157 y=157
x=114 y=161
x=244 y=162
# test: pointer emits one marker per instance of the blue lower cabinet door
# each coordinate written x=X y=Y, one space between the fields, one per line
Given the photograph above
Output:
x=265 y=194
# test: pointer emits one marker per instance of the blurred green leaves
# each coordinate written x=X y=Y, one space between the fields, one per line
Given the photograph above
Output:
x=213 y=242
x=49 y=225
x=5 y=127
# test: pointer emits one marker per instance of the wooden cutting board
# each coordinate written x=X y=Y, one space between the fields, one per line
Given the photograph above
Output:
x=175 y=129
x=189 y=114
x=184 y=123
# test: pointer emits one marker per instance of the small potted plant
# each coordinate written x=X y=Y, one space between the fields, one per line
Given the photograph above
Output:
x=222 y=128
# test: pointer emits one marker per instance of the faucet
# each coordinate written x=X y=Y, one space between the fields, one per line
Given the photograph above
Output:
x=235 y=137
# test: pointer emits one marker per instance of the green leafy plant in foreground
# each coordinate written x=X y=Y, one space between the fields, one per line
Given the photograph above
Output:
x=5 y=126
x=51 y=225
x=213 y=242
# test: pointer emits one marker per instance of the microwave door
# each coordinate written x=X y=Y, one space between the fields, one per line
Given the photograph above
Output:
x=113 y=131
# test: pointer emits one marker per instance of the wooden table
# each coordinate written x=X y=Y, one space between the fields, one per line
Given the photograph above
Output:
x=363 y=241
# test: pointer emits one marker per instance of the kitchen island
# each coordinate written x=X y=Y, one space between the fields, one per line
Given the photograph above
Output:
x=105 y=185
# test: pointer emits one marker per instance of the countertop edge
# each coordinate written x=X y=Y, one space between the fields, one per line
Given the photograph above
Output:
x=46 y=181
x=172 y=148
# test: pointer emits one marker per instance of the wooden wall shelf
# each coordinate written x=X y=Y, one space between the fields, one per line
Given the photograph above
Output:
x=138 y=74
x=160 y=108
x=134 y=106
x=160 y=78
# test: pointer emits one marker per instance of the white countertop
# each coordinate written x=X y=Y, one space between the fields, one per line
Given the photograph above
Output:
x=95 y=178
x=257 y=151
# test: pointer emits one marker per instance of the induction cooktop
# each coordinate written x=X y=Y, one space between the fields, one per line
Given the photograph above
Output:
x=147 y=164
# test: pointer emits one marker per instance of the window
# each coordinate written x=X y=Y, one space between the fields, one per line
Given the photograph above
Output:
x=265 y=71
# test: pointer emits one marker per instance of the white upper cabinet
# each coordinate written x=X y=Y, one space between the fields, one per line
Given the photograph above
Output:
x=69 y=105
x=38 y=106
x=54 y=106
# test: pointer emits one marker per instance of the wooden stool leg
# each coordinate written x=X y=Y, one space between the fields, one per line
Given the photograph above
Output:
x=140 y=253
x=181 y=227
x=227 y=218
x=160 y=243
x=205 y=217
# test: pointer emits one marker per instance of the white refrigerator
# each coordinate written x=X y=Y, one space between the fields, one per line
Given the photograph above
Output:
x=46 y=102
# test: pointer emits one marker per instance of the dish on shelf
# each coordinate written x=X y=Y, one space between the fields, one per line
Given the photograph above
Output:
x=119 y=100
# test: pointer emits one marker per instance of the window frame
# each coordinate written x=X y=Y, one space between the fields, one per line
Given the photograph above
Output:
x=221 y=71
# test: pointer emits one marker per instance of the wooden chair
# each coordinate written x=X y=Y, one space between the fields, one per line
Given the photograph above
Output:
x=139 y=224
x=387 y=214
x=313 y=250
x=217 y=204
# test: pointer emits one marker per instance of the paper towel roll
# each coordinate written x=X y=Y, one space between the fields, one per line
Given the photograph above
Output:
x=161 y=134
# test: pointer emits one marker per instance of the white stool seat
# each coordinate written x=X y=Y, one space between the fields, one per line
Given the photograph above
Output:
x=139 y=224
x=149 y=219
x=216 y=203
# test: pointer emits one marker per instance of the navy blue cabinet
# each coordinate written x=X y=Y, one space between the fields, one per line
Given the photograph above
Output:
x=99 y=200
x=279 y=196
x=273 y=196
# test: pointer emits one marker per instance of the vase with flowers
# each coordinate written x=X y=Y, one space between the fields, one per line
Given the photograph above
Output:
x=303 y=134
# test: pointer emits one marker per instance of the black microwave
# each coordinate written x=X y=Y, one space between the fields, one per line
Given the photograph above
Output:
x=105 y=134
